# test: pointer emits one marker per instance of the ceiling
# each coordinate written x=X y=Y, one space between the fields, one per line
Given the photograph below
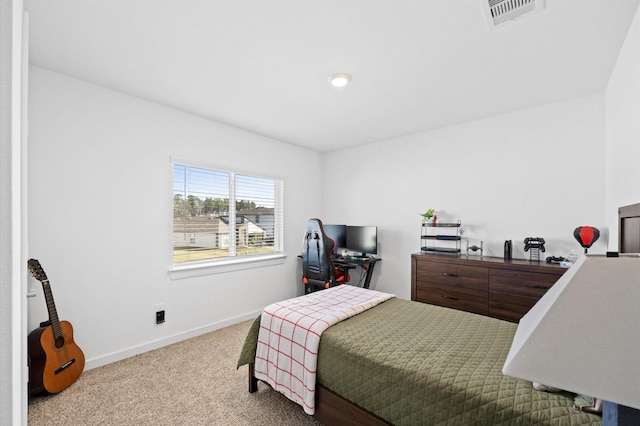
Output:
x=263 y=66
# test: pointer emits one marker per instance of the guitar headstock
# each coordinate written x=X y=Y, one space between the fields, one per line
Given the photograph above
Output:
x=36 y=270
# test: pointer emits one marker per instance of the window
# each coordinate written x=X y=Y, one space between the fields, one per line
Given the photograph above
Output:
x=221 y=216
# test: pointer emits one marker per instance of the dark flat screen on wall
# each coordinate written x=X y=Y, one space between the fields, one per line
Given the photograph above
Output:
x=362 y=239
x=337 y=233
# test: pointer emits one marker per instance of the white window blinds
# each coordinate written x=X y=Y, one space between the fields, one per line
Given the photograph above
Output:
x=220 y=214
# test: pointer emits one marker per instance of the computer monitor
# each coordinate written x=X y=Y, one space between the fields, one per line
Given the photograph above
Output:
x=337 y=233
x=362 y=239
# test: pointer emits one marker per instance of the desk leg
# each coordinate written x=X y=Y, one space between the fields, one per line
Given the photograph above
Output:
x=367 y=279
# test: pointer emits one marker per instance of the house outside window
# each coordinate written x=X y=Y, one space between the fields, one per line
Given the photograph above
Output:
x=221 y=215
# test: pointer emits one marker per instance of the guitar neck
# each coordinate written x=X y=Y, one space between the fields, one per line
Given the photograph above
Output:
x=51 y=307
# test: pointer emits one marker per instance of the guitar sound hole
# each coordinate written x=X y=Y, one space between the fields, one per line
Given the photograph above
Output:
x=59 y=342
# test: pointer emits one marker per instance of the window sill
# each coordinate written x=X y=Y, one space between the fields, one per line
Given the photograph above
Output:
x=178 y=272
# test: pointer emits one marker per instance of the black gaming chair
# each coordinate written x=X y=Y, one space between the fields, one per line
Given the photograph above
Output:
x=318 y=271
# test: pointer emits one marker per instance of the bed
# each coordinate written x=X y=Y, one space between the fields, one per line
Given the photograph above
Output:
x=407 y=363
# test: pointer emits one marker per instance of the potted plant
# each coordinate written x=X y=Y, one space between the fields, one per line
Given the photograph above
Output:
x=428 y=215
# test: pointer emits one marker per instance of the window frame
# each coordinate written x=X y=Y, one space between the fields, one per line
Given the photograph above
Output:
x=231 y=262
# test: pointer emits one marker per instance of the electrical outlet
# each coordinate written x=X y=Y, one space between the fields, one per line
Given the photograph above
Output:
x=160 y=314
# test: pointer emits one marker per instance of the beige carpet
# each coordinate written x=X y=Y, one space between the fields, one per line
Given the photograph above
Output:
x=194 y=382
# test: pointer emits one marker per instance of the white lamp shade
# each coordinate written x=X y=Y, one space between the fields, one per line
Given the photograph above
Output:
x=583 y=335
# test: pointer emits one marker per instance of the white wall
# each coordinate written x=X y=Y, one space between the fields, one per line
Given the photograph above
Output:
x=100 y=218
x=532 y=173
x=623 y=130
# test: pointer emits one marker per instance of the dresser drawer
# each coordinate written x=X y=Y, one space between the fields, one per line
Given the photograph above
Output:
x=451 y=297
x=520 y=283
x=508 y=307
x=453 y=275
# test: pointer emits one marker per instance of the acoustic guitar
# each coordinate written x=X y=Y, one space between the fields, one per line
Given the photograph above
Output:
x=55 y=361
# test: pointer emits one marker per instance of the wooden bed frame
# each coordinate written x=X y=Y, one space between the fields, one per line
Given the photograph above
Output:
x=331 y=408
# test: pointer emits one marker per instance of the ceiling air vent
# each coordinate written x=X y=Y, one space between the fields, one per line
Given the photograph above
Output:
x=500 y=11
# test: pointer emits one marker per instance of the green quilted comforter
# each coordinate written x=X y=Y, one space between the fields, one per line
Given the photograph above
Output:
x=416 y=364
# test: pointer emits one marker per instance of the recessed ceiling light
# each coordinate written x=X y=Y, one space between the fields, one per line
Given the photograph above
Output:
x=340 y=79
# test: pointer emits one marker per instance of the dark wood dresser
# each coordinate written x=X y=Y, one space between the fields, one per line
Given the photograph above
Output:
x=491 y=286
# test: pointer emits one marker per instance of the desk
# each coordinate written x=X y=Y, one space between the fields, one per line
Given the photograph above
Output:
x=353 y=262
x=346 y=263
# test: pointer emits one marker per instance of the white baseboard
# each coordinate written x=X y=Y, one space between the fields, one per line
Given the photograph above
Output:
x=156 y=344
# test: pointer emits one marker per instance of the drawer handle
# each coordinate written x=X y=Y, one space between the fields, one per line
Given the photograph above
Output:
x=540 y=287
x=446 y=274
x=444 y=296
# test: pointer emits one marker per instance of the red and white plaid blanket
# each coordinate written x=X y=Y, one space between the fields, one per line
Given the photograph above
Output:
x=287 y=351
